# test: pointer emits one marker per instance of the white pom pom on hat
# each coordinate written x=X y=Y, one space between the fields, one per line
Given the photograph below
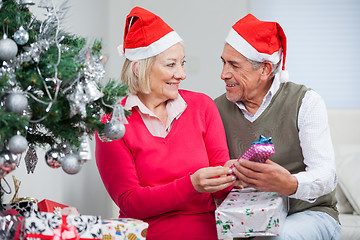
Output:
x=146 y=35
x=259 y=41
x=284 y=76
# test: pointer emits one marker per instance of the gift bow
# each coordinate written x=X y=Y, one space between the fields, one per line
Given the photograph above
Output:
x=263 y=140
x=65 y=232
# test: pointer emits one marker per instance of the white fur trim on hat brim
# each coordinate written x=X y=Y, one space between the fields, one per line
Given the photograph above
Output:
x=153 y=49
x=248 y=51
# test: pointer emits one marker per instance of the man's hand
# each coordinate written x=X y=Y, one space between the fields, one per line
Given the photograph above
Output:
x=212 y=179
x=267 y=177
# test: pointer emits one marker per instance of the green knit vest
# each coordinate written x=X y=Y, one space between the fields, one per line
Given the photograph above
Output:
x=278 y=121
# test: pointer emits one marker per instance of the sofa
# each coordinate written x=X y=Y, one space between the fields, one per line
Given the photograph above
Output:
x=348 y=189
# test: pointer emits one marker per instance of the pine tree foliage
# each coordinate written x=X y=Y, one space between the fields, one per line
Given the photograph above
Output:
x=61 y=65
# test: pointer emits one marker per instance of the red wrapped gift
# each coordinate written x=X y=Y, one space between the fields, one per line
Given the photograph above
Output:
x=12 y=212
x=49 y=206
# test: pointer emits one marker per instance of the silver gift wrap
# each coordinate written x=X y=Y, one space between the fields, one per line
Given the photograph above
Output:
x=248 y=212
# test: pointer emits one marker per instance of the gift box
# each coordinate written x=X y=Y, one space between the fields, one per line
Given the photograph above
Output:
x=10 y=224
x=50 y=206
x=260 y=151
x=124 y=229
x=248 y=212
x=44 y=225
x=23 y=205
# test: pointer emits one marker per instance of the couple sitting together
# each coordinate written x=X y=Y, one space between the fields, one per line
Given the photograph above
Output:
x=176 y=155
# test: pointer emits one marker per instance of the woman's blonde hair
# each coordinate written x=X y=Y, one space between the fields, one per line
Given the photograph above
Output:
x=140 y=83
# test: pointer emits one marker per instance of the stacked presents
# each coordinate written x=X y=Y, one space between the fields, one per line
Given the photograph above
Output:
x=30 y=219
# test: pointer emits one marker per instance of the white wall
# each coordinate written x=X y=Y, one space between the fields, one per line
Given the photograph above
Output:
x=203 y=25
x=344 y=126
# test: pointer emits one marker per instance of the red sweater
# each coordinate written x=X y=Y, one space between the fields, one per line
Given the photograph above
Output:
x=149 y=177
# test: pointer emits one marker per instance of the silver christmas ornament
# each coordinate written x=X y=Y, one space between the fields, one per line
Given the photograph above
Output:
x=94 y=67
x=53 y=158
x=21 y=36
x=84 y=149
x=114 y=130
x=31 y=159
x=16 y=102
x=8 y=49
x=26 y=2
x=118 y=114
x=78 y=100
x=1 y=3
x=71 y=164
x=8 y=162
x=64 y=148
x=92 y=91
x=17 y=144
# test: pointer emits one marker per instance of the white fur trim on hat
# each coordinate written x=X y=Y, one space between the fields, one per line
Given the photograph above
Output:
x=153 y=49
x=248 y=51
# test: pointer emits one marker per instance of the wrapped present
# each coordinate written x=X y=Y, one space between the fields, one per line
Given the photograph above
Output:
x=44 y=225
x=50 y=206
x=23 y=205
x=124 y=229
x=260 y=150
x=10 y=224
x=248 y=212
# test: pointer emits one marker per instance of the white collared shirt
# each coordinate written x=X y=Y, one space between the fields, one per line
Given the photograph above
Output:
x=319 y=177
x=153 y=123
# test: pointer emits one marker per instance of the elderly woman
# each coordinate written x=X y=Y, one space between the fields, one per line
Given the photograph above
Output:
x=170 y=163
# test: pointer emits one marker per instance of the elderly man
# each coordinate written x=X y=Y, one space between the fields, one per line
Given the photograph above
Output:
x=260 y=101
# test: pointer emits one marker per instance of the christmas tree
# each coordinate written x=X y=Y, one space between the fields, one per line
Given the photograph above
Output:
x=50 y=92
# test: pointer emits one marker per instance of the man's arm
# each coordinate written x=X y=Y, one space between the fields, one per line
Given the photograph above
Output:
x=319 y=177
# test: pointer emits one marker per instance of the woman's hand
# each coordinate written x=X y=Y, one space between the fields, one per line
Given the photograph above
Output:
x=212 y=179
x=237 y=183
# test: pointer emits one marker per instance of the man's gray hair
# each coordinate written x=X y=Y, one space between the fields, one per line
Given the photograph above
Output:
x=256 y=65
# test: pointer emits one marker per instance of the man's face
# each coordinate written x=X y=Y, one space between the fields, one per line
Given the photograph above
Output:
x=240 y=78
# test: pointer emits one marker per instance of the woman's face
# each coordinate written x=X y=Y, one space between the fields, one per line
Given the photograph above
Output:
x=166 y=73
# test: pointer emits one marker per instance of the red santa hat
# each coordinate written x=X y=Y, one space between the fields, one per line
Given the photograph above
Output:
x=146 y=35
x=259 y=41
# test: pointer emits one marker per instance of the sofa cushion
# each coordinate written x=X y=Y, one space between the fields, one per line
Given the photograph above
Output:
x=343 y=204
x=348 y=167
x=350 y=226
